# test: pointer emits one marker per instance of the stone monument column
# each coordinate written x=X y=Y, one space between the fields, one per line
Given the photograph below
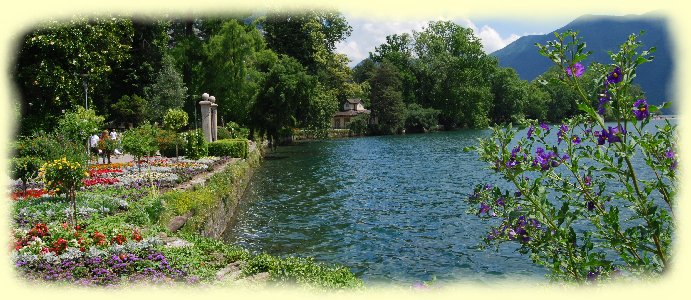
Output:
x=205 y=105
x=214 y=119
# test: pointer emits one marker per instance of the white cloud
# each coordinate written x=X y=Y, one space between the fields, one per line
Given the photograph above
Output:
x=491 y=39
x=367 y=34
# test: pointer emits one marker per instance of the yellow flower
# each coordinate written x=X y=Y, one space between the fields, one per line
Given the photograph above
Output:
x=86 y=174
x=60 y=168
x=57 y=189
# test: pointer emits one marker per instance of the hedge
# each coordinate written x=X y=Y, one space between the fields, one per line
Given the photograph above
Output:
x=229 y=147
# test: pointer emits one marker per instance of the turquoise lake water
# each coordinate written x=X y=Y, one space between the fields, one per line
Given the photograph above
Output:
x=390 y=208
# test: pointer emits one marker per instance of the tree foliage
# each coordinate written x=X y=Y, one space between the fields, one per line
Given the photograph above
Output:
x=56 y=59
x=387 y=101
x=284 y=97
x=230 y=54
x=129 y=109
x=78 y=125
x=140 y=141
x=167 y=92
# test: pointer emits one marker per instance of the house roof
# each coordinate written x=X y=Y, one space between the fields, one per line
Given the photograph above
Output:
x=353 y=100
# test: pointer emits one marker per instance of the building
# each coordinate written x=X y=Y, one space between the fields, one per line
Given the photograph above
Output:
x=351 y=108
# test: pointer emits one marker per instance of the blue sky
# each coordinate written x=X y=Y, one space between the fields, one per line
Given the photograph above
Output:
x=495 y=33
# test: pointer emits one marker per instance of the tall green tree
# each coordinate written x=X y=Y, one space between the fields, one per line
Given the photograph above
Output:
x=129 y=109
x=149 y=45
x=510 y=94
x=167 y=92
x=57 y=58
x=230 y=54
x=286 y=92
x=453 y=74
x=398 y=50
x=306 y=36
x=387 y=100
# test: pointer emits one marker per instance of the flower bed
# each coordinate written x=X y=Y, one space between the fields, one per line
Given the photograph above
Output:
x=91 y=257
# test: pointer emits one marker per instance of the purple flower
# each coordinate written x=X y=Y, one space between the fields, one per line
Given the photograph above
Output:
x=545 y=160
x=590 y=205
x=562 y=132
x=673 y=156
x=484 y=208
x=601 y=136
x=670 y=154
x=587 y=180
x=544 y=127
x=517 y=193
x=614 y=132
x=575 y=139
x=615 y=76
x=530 y=131
x=576 y=69
x=605 y=97
x=640 y=109
x=500 y=201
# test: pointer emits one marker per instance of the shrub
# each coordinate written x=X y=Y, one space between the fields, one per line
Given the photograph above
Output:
x=168 y=141
x=24 y=168
x=50 y=146
x=232 y=148
x=65 y=176
x=236 y=132
x=358 y=124
x=78 y=125
x=140 y=141
x=196 y=146
x=420 y=119
x=224 y=133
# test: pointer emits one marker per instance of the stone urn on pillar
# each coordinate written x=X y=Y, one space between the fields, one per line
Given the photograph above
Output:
x=205 y=105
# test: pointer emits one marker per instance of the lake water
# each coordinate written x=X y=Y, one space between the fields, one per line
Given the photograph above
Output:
x=391 y=208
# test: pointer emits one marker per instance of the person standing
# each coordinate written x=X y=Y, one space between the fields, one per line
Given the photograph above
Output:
x=93 y=144
x=114 y=137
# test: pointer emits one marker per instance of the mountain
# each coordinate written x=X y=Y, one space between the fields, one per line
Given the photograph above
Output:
x=602 y=34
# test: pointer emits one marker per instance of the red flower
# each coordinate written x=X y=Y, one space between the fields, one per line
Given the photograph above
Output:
x=119 y=239
x=39 y=230
x=59 y=245
x=99 y=238
x=136 y=235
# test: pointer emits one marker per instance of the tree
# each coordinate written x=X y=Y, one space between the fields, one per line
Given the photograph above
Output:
x=167 y=92
x=77 y=126
x=305 y=36
x=286 y=91
x=398 y=50
x=140 y=141
x=229 y=57
x=387 y=101
x=149 y=45
x=510 y=94
x=418 y=119
x=174 y=120
x=129 y=110
x=453 y=74
x=56 y=59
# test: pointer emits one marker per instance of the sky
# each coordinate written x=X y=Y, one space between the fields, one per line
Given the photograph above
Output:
x=494 y=33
